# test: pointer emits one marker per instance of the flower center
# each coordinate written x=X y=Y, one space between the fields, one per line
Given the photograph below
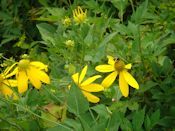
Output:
x=119 y=65
x=23 y=64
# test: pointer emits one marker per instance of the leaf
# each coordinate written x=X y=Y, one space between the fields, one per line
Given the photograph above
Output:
x=148 y=85
x=155 y=117
x=101 y=110
x=147 y=123
x=101 y=49
x=46 y=32
x=121 y=5
x=115 y=121
x=138 y=119
x=138 y=16
x=77 y=103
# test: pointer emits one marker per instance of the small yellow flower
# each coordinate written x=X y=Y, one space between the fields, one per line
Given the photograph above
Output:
x=67 y=21
x=7 y=84
x=88 y=86
x=118 y=67
x=33 y=71
x=79 y=16
x=69 y=43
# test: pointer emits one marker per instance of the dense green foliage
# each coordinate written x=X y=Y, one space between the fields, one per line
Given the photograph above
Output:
x=141 y=32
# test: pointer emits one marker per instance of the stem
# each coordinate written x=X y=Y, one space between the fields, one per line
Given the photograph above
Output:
x=132 y=6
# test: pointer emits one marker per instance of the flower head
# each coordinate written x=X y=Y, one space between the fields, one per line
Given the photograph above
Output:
x=67 y=21
x=79 y=16
x=6 y=84
x=118 y=67
x=30 y=71
x=69 y=43
x=87 y=86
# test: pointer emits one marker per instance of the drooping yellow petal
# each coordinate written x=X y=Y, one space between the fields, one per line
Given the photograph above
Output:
x=128 y=66
x=39 y=65
x=8 y=69
x=22 y=81
x=111 y=60
x=83 y=73
x=107 y=82
x=92 y=88
x=90 y=80
x=123 y=85
x=14 y=72
x=34 y=77
x=130 y=79
x=8 y=92
x=42 y=76
x=105 y=68
x=90 y=97
x=10 y=83
x=75 y=78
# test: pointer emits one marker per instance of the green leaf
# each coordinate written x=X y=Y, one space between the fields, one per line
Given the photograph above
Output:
x=147 y=123
x=138 y=16
x=121 y=5
x=138 y=119
x=148 y=85
x=46 y=32
x=155 y=117
x=115 y=121
x=101 y=110
x=77 y=103
x=101 y=49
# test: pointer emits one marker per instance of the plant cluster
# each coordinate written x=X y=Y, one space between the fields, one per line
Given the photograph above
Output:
x=77 y=73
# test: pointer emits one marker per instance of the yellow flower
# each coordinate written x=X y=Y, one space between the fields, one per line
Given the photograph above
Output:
x=87 y=86
x=67 y=21
x=69 y=43
x=79 y=16
x=7 y=84
x=118 y=67
x=32 y=71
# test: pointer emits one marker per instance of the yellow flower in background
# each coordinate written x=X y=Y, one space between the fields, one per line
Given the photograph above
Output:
x=67 y=21
x=79 y=16
x=30 y=71
x=69 y=43
x=88 y=86
x=6 y=84
x=118 y=67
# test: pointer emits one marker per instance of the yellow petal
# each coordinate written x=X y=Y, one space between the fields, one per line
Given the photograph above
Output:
x=111 y=60
x=10 y=83
x=105 y=68
x=43 y=76
x=107 y=82
x=34 y=77
x=128 y=66
x=6 y=90
x=130 y=80
x=92 y=88
x=22 y=81
x=83 y=73
x=75 y=78
x=123 y=85
x=90 y=80
x=14 y=72
x=8 y=69
x=39 y=65
x=90 y=97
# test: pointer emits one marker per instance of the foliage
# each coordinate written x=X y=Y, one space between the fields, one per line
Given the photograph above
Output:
x=141 y=32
